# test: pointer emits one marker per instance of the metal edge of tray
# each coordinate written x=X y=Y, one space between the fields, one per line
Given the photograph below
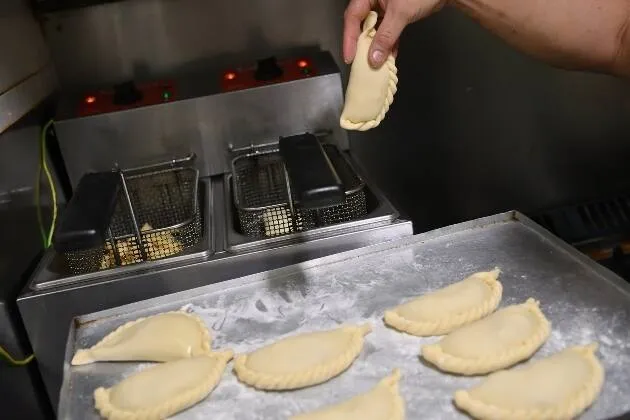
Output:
x=235 y=242
x=506 y=217
x=205 y=249
x=65 y=385
x=601 y=271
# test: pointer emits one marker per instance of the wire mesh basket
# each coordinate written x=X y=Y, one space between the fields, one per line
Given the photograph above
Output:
x=264 y=203
x=156 y=216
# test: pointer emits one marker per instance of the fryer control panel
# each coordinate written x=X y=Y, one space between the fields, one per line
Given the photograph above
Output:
x=131 y=95
x=126 y=96
x=267 y=71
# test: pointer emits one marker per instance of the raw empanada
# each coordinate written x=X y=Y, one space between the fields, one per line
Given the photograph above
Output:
x=506 y=337
x=449 y=308
x=558 y=387
x=370 y=91
x=162 y=390
x=302 y=360
x=383 y=402
x=158 y=338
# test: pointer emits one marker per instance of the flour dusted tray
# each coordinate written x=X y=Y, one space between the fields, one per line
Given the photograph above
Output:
x=584 y=301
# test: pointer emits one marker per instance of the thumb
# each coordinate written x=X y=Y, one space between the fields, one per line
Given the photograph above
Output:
x=386 y=36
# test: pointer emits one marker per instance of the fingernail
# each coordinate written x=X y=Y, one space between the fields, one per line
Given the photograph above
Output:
x=377 y=56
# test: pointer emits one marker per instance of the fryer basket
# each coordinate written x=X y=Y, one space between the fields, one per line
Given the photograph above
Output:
x=266 y=207
x=158 y=205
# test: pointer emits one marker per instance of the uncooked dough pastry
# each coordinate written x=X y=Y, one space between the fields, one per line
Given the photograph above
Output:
x=162 y=390
x=449 y=308
x=370 y=91
x=506 y=337
x=158 y=338
x=383 y=402
x=301 y=360
x=558 y=387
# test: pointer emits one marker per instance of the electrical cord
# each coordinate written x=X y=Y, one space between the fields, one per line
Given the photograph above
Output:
x=46 y=237
x=13 y=361
x=37 y=201
x=43 y=166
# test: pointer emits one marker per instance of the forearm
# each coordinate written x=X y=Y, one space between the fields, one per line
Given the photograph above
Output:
x=575 y=34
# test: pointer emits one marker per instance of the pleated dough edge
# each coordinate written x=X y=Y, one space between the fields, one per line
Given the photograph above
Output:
x=446 y=325
x=392 y=87
x=313 y=376
x=167 y=408
x=391 y=382
x=567 y=410
x=81 y=356
x=391 y=91
x=433 y=352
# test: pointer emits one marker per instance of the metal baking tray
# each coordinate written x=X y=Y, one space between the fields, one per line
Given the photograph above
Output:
x=584 y=301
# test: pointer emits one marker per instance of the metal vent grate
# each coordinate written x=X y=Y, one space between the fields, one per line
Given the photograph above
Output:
x=589 y=223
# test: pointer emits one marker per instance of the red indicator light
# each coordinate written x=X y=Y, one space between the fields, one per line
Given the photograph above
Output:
x=90 y=99
x=302 y=64
x=230 y=75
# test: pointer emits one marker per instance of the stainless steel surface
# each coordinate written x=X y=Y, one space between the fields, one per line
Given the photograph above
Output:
x=20 y=59
x=26 y=73
x=266 y=207
x=157 y=216
x=150 y=38
x=25 y=96
x=584 y=301
x=49 y=303
x=203 y=121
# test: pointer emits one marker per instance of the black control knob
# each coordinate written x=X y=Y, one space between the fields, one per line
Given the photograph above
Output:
x=126 y=94
x=267 y=69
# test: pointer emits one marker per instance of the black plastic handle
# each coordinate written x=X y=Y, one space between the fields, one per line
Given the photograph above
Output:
x=89 y=212
x=313 y=179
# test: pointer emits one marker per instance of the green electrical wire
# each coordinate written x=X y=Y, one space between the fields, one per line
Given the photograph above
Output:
x=13 y=361
x=37 y=201
x=43 y=166
x=46 y=238
x=51 y=183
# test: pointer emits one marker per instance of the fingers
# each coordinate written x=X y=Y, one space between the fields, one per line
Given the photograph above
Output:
x=395 y=49
x=386 y=38
x=355 y=13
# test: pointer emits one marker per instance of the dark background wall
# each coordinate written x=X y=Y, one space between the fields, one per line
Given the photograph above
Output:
x=475 y=128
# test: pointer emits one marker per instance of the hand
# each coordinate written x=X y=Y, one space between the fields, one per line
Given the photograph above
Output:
x=398 y=14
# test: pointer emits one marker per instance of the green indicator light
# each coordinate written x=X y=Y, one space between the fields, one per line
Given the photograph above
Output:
x=306 y=70
x=166 y=95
